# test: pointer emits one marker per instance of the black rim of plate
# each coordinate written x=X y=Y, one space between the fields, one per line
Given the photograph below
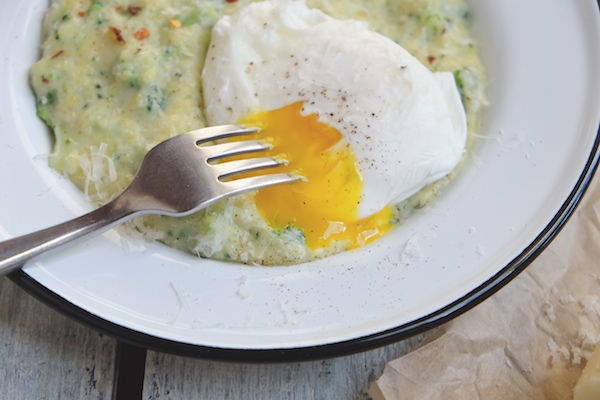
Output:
x=364 y=343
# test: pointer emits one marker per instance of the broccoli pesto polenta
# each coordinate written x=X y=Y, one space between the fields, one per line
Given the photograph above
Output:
x=116 y=78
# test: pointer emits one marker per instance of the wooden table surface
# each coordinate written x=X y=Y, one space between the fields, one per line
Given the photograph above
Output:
x=46 y=355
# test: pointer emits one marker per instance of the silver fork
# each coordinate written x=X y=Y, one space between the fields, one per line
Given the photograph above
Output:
x=177 y=177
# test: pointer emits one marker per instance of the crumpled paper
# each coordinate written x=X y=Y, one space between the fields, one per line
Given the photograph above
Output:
x=530 y=340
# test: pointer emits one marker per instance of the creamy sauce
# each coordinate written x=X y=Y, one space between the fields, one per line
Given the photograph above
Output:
x=115 y=78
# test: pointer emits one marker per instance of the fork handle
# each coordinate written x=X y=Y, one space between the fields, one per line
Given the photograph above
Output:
x=14 y=253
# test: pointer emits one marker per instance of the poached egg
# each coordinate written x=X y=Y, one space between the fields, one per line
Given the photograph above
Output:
x=364 y=122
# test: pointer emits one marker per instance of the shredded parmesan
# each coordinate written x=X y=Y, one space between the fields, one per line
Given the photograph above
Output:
x=411 y=251
x=181 y=302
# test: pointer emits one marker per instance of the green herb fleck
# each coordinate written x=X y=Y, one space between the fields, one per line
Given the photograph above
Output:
x=156 y=99
x=50 y=97
x=460 y=84
x=190 y=19
x=97 y=7
x=42 y=113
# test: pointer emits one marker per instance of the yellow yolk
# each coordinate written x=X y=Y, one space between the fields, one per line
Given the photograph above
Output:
x=324 y=204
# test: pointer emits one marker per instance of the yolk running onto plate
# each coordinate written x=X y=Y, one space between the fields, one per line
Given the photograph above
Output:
x=326 y=204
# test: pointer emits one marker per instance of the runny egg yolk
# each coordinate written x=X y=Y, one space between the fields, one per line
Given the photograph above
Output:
x=325 y=204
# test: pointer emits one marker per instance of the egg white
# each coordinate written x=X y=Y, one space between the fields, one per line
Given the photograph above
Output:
x=405 y=124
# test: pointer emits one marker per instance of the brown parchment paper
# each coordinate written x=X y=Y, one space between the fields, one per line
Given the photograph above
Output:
x=528 y=341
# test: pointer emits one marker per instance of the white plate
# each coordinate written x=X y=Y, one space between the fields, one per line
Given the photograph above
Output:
x=511 y=198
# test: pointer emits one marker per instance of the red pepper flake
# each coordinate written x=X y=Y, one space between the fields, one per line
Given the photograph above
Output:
x=431 y=59
x=82 y=13
x=117 y=33
x=45 y=80
x=58 y=54
x=142 y=34
x=230 y=1
x=135 y=10
x=118 y=8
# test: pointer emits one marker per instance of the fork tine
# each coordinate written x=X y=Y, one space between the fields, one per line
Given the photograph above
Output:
x=234 y=148
x=227 y=169
x=219 y=132
x=258 y=182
